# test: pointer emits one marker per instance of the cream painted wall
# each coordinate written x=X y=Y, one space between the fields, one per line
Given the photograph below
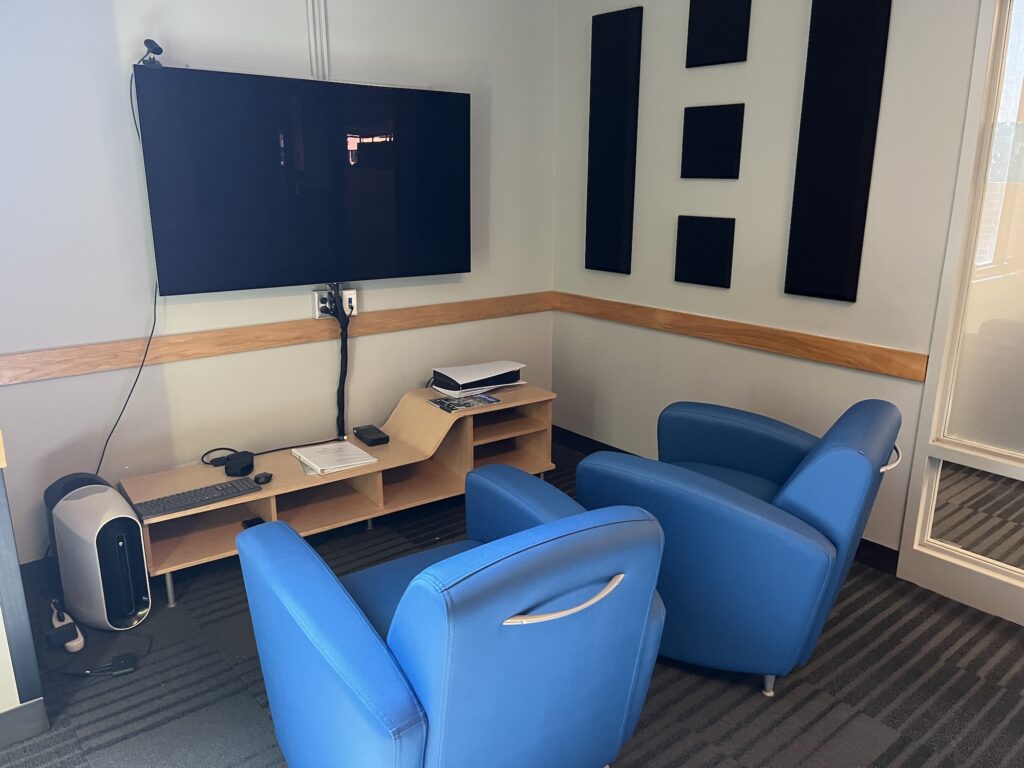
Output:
x=613 y=381
x=77 y=251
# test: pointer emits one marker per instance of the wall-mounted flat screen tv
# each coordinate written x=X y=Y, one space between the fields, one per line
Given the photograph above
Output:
x=269 y=181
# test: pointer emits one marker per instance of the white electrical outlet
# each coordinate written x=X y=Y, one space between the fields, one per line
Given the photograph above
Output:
x=321 y=302
x=350 y=304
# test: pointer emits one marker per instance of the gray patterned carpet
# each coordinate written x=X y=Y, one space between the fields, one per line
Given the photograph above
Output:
x=901 y=677
x=981 y=512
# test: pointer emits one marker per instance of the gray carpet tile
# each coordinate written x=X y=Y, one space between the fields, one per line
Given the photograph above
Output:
x=233 y=731
x=981 y=512
x=901 y=676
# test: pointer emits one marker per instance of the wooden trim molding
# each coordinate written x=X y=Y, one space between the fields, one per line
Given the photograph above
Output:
x=22 y=367
x=888 y=361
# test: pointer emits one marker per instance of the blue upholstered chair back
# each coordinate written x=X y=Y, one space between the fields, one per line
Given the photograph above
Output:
x=497 y=693
x=329 y=678
x=834 y=488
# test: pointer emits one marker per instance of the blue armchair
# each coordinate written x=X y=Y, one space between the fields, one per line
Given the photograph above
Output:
x=761 y=524
x=532 y=643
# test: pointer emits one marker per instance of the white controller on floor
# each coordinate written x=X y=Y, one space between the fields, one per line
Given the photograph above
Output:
x=61 y=618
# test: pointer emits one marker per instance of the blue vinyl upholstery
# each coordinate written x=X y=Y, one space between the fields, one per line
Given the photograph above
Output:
x=337 y=695
x=501 y=500
x=744 y=481
x=761 y=523
x=726 y=437
x=440 y=680
x=378 y=589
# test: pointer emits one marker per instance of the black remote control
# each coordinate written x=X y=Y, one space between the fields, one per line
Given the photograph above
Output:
x=371 y=435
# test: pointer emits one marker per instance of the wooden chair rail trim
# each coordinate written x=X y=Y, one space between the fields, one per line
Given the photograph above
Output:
x=39 y=365
x=899 y=363
x=20 y=367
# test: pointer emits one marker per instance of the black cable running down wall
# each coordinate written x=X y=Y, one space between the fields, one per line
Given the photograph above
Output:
x=343 y=317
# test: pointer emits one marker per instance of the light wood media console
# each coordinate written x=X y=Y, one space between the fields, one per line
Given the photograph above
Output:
x=429 y=455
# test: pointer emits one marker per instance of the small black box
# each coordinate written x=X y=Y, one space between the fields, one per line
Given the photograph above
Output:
x=371 y=435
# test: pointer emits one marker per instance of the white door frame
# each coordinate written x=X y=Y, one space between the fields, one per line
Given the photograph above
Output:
x=965 y=576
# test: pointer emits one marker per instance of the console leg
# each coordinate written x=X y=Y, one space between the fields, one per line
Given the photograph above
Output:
x=369 y=524
x=541 y=475
x=169 y=583
x=769 y=686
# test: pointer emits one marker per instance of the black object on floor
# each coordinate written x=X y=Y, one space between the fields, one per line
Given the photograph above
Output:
x=611 y=158
x=901 y=677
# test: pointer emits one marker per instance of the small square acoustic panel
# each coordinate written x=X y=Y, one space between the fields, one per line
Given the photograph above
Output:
x=704 y=250
x=718 y=32
x=712 y=138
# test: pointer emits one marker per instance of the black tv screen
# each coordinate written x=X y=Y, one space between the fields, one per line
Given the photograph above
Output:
x=268 y=181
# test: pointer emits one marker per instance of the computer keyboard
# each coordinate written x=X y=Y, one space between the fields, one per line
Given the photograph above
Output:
x=197 y=497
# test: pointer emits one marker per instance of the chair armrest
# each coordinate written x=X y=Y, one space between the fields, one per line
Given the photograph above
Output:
x=727 y=437
x=502 y=500
x=337 y=695
x=743 y=581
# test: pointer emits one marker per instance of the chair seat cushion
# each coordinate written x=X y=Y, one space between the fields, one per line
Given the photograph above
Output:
x=377 y=590
x=743 y=481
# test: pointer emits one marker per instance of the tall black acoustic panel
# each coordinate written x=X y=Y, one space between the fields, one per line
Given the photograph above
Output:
x=842 y=94
x=611 y=159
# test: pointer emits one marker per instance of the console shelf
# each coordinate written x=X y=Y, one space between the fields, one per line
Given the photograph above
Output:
x=420 y=483
x=325 y=507
x=515 y=457
x=510 y=424
x=187 y=541
x=427 y=460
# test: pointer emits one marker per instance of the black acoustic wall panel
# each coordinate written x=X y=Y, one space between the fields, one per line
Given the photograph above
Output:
x=704 y=250
x=611 y=160
x=842 y=93
x=717 y=32
x=712 y=139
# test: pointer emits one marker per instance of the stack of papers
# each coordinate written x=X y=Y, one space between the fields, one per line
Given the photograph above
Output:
x=331 y=457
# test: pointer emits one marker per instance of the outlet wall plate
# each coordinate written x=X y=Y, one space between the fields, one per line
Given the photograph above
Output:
x=350 y=303
x=321 y=300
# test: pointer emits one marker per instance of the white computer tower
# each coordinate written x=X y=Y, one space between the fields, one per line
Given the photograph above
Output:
x=102 y=560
